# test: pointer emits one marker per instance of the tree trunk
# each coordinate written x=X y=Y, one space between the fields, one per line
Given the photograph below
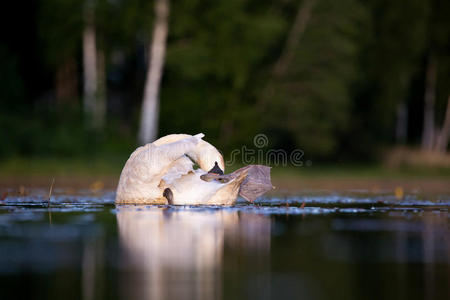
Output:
x=100 y=110
x=429 y=99
x=89 y=64
x=66 y=82
x=299 y=26
x=444 y=133
x=401 y=129
x=150 y=105
x=94 y=100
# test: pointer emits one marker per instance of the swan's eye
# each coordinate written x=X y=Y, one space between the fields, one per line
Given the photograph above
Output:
x=223 y=180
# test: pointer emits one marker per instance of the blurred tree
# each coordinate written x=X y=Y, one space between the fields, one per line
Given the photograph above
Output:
x=309 y=96
x=213 y=63
x=401 y=127
x=94 y=101
x=12 y=83
x=60 y=25
x=66 y=82
x=295 y=33
x=333 y=79
x=150 y=105
x=437 y=77
x=392 y=42
x=443 y=134
x=429 y=99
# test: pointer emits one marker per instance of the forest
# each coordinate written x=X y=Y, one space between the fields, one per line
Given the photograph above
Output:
x=347 y=80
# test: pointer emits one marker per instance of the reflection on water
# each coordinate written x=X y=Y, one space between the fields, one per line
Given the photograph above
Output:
x=369 y=246
x=175 y=254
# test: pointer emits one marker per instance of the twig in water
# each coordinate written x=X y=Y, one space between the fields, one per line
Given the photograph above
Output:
x=50 y=192
x=49 y=196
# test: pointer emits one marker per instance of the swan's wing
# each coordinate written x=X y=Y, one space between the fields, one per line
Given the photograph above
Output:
x=175 y=150
x=147 y=165
x=256 y=183
x=150 y=162
x=177 y=169
x=175 y=138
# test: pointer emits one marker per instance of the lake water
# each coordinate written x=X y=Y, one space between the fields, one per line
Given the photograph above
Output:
x=316 y=245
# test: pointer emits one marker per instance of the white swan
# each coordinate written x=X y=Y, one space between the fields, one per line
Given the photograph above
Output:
x=162 y=172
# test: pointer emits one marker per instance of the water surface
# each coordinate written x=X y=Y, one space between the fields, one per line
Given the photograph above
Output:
x=317 y=245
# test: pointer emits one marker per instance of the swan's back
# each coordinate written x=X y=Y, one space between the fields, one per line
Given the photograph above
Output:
x=140 y=180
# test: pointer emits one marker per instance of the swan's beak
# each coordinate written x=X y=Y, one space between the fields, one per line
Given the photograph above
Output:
x=212 y=176
x=215 y=173
x=216 y=169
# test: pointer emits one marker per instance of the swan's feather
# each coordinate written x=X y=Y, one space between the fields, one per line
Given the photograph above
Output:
x=256 y=183
x=178 y=169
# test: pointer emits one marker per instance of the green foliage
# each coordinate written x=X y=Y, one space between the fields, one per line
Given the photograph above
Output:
x=11 y=90
x=212 y=60
x=310 y=101
x=60 y=24
x=121 y=23
x=391 y=58
x=57 y=133
x=355 y=62
x=438 y=43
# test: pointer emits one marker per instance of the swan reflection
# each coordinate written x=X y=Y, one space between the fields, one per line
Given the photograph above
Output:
x=179 y=253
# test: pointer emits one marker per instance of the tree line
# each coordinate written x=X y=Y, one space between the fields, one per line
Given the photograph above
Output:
x=333 y=78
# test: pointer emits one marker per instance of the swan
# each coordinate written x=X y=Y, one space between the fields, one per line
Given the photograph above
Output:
x=163 y=172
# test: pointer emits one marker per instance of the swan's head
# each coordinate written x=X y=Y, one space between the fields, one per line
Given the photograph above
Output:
x=209 y=158
x=204 y=154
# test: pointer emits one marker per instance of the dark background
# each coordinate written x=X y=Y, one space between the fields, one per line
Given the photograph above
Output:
x=351 y=89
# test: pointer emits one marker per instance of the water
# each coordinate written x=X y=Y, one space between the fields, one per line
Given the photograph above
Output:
x=312 y=246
